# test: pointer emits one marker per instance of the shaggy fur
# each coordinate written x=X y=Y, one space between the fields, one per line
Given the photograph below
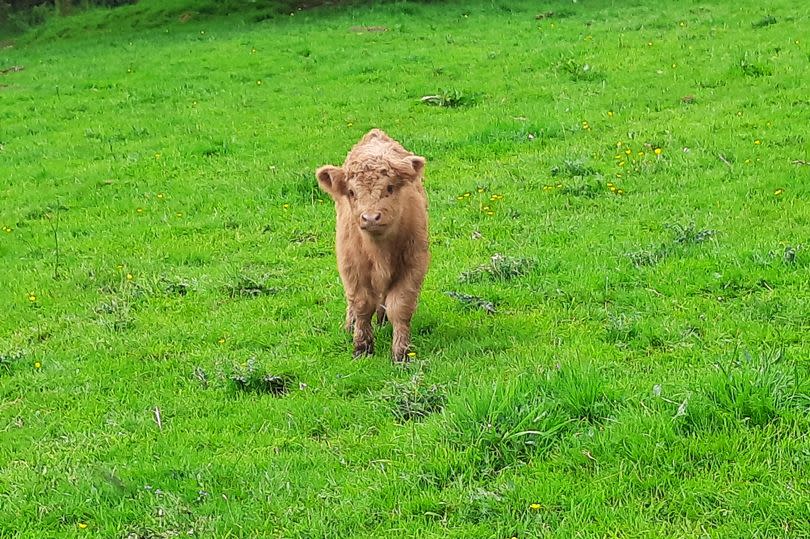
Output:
x=382 y=236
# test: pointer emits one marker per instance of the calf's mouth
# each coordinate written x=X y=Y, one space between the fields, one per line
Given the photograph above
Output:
x=375 y=229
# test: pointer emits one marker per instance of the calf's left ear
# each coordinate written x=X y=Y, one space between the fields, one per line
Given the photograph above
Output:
x=417 y=163
x=332 y=180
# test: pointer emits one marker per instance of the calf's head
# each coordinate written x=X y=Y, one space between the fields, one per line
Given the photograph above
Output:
x=375 y=184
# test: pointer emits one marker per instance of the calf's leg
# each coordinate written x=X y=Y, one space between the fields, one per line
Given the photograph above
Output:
x=382 y=316
x=349 y=325
x=362 y=307
x=400 y=306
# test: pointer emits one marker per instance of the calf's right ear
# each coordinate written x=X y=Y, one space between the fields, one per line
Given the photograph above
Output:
x=332 y=179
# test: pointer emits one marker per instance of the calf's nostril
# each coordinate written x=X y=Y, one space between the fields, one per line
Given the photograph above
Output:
x=372 y=217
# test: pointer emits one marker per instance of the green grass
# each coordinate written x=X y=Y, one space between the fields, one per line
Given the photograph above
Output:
x=172 y=361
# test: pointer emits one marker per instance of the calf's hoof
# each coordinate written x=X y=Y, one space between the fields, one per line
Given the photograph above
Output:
x=363 y=349
x=401 y=356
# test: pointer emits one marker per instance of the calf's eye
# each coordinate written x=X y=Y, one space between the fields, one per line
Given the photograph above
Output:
x=351 y=193
x=390 y=189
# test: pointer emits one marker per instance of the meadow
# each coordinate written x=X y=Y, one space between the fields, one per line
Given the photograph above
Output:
x=612 y=339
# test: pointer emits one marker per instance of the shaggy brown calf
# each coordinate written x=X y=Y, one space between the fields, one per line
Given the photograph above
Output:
x=382 y=237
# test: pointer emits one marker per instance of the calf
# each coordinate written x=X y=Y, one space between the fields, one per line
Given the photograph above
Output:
x=382 y=237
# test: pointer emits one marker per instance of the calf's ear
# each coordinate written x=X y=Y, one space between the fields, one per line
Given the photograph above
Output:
x=332 y=180
x=417 y=164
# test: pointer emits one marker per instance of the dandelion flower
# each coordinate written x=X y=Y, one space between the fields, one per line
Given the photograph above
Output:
x=628 y=151
x=138 y=210
x=757 y=142
x=610 y=114
x=32 y=297
x=37 y=365
x=221 y=340
x=658 y=151
x=535 y=507
x=411 y=354
x=160 y=195
x=82 y=525
x=286 y=206
x=778 y=192
x=129 y=277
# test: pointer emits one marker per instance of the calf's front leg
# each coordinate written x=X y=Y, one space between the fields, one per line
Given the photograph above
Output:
x=400 y=306
x=362 y=308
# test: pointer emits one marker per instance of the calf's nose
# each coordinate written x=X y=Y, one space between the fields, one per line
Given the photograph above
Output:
x=371 y=218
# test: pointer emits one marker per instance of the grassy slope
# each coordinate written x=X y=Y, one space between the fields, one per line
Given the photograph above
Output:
x=183 y=156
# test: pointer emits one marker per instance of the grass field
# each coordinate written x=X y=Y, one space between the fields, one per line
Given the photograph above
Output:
x=172 y=361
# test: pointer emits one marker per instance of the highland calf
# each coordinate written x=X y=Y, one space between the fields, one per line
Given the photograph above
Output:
x=382 y=237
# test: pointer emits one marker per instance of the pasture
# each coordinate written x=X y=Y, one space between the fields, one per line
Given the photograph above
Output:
x=611 y=341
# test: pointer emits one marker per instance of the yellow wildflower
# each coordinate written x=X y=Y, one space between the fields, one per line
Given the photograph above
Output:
x=32 y=297
x=535 y=507
x=778 y=192
x=757 y=142
x=37 y=365
x=658 y=151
